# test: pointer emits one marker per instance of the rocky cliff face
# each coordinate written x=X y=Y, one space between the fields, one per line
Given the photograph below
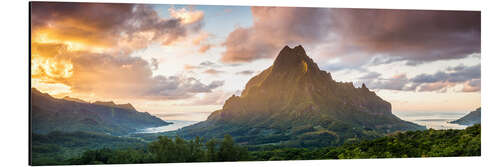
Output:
x=294 y=83
x=294 y=94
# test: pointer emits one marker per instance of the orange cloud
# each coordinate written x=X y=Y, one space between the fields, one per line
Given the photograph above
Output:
x=472 y=86
x=436 y=86
x=204 y=48
x=83 y=49
x=118 y=28
x=201 y=38
x=108 y=76
x=187 y=16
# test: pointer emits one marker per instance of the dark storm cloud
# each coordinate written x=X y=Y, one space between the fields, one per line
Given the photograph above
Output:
x=416 y=35
x=358 y=35
x=98 y=15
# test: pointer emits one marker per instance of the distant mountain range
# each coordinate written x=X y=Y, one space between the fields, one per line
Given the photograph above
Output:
x=295 y=103
x=70 y=114
x=472 y=118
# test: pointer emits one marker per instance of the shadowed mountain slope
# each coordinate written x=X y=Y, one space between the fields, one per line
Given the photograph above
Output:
x=472 y=118
x=69 y=114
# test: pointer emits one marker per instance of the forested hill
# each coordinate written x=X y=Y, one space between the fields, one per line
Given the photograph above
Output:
x=68 y=115
x=426 y=143
x=472 y=118
x=55 y=148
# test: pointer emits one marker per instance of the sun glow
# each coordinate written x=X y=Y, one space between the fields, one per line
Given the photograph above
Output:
x=54 y=89
x=47 y=37
x=51 y=68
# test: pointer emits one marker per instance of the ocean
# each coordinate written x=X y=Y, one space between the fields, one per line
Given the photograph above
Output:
x=177 y=124
x=434 y=120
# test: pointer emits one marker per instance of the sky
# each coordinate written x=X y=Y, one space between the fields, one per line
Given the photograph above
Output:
x=181 y=62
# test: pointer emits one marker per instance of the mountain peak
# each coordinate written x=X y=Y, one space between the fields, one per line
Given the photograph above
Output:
x=297 y=52
x=293 y=94
x=293 y=58
x=364 y=87
x=296 y=48
x=37 y=92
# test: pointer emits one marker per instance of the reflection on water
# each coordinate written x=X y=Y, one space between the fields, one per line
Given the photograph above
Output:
x=434 y=120
x=177 y=124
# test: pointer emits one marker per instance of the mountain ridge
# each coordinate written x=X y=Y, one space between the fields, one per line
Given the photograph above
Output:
x=127 y=106
x=68 y=98
x=294 y=99
x=51 y=114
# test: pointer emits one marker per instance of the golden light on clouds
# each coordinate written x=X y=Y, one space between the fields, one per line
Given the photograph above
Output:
x=186 y=16
x=105 y=51
x=51 y=68
x=85 y=49
x=48 y=36
x=54 y=89
x=49 y=74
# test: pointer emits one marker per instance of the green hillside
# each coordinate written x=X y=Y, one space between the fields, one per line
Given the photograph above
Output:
x=471 y=118
x=69 y=115
x=426 y=143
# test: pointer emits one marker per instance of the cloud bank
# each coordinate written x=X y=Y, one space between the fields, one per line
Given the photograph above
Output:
x=358 y=36
x=468 y=76
x=87 y=47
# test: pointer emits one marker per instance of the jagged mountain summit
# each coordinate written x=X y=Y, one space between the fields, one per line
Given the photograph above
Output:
x=293 y=102
x=49 y=114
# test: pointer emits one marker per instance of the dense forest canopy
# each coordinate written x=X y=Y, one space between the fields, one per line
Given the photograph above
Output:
x=425 y=143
